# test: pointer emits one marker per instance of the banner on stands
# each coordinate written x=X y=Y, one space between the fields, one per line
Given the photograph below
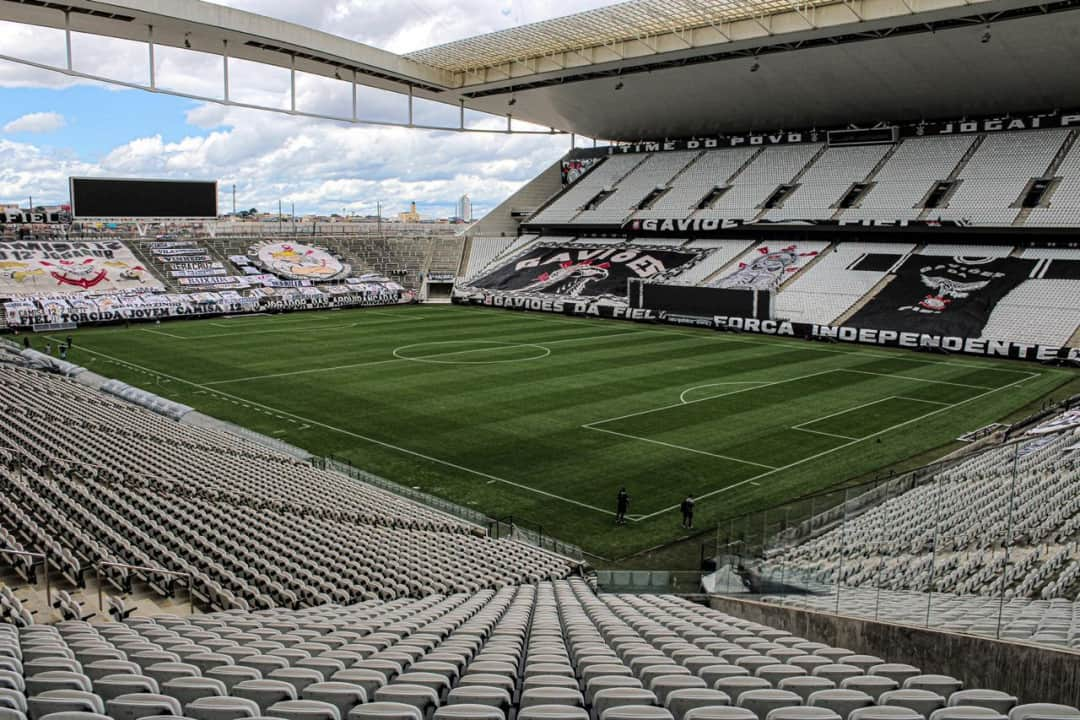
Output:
x=781 y=328
x=582 y=271
x=948 y=296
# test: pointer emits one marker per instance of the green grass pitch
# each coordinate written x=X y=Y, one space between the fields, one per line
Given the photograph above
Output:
x=544 y=417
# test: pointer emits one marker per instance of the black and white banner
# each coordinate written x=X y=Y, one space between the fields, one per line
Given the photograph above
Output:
x=198 y=272
x=683 y=226
x=177 y=263
x=584 y=307
x=781 y=328
x=573 y=271
x=950 y=296
x=194 y=265
x=895 y=338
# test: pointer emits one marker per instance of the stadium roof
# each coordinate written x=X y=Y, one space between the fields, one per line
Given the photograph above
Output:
x=632 y=20
x=644 y=69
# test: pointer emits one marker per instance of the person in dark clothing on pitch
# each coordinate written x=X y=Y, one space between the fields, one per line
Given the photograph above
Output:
x=26 y=343
x=687 y=508
x=622 y=504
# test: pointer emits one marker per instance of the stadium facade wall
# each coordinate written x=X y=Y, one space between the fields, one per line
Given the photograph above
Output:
x=1031 y=673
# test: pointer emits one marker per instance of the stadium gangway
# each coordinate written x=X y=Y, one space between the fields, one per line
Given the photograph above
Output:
x=45 y=560
x=141 y=568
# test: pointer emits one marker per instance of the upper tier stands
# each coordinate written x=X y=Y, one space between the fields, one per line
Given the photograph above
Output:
x=902 y=183
x=827 y=180
x=770 y=168
x=709 y=171
x=92 y=478
x=554 y=651
x=655 y=172
x=1063 y=206
x=604 y=176
x=995 y=176
x=987 y=175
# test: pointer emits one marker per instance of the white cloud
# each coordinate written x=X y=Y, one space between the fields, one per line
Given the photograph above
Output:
x=39 y=122
x=318 y=165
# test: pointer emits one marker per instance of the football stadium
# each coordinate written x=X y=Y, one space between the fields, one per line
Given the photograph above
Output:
x=759 y=402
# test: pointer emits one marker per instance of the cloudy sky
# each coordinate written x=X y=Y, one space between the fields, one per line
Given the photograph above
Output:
x=52 y=127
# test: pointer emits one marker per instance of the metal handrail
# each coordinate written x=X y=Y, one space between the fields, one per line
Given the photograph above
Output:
x=144 y=568
x=45 y=557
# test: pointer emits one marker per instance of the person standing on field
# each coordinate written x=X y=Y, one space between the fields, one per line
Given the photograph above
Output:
x=687 y=508
x=622 y=504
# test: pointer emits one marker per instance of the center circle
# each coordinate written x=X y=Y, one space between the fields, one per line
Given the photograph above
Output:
x=457 y=352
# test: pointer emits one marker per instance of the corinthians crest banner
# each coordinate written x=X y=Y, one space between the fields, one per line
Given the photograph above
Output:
x=35 y=268
x=951 y=296
x=582 y=271
x=297 y=261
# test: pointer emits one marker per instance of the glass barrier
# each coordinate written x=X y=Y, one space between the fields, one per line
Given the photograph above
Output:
x=986 y=543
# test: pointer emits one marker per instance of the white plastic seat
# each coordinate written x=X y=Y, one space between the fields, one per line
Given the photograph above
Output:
x=681 y=701
x=637 y=712
x=923 y=702
x=304 y=710
x=139 y=705
x=469 y=712
x=1043 y=711
x=762 y=702
x=53 y=701
x=993 y=699
x=385 y=711
x=966 y=712
x=222 y=708
x=842 y=702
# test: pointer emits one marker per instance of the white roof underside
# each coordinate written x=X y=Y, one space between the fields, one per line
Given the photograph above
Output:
x=622 y=22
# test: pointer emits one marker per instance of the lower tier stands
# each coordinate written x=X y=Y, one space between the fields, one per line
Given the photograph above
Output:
x=91 y=479
x=827 y=290
x=999 y=528
x=552 y=651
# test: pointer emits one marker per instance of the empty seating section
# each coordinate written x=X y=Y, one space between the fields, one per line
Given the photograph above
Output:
x=996 y=175
x=604 y=176
x=988 y=176
x=554 y=650
x=95 y=479
x=769 y=265
x=486 y=249
x=826 y=291
x=971 y=251
x=772 y=167
x=655 y=172
x=979 y=505
x=1043 y=312
x=1063 y=202
x=708 y=172
x=827 y=180
x=903 y=182
x=721 y=252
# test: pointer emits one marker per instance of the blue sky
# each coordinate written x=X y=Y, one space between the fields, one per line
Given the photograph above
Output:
x=97 y=119
x=52 y=127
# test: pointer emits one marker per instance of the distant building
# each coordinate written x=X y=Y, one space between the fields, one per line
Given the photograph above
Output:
x=411 y=216
x=464 y=208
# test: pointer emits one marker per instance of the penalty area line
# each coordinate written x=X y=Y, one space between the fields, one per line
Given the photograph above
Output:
x=848 y=444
